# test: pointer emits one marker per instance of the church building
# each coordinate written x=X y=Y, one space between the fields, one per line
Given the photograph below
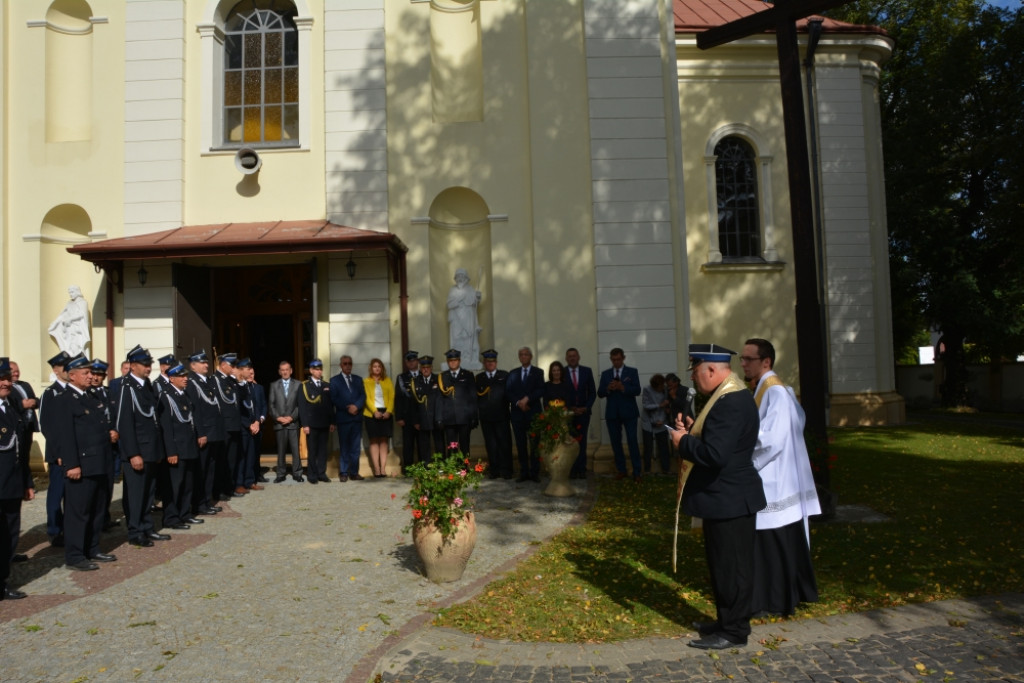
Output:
x=298 y=179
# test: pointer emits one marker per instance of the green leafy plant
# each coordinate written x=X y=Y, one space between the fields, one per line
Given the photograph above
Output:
x=553 y=428
x=437 y=495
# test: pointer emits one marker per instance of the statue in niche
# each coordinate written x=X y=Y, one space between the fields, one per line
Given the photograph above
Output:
x=463 y=328
x=71 y=328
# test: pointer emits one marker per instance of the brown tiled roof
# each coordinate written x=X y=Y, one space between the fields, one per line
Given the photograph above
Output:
x=692 y=16
x=232 y=239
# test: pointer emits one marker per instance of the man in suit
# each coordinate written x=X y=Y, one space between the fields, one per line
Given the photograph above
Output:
x=723 y=489
x=226 y=461
x=457 y=409
x=181 y=446
x=15 y=477
x=48 y=427
x=582 y=394
x=284 y=409
x=405 y=408
x=209 y=430
x=492 y=404
x=429 y=439
x=525 y=389
x=349 y=397
x=83 y=434
x=620 y=386
x=316 y=415
x=141 y=448
x=248 y=457
x=260 y=408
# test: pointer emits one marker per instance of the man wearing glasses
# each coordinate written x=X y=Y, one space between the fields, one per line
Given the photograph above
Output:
x=349 y=397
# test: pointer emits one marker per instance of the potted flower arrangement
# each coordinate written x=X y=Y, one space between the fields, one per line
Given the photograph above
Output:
x=557 y=442
x=443 y=527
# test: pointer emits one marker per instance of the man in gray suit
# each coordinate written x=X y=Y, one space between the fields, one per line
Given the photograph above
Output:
x=284 y=396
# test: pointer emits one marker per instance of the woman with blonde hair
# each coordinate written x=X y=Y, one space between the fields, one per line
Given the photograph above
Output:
x=377 y=414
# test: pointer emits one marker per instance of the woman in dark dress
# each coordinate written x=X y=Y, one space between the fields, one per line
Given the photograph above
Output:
x=556 y=388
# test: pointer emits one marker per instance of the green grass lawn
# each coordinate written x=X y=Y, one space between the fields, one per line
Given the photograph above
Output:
x=953 y=490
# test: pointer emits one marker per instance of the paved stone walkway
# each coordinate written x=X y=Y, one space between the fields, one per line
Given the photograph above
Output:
x=318 y=583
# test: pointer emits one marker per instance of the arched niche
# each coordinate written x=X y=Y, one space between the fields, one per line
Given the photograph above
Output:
x=61 y=227
x=68 y=71
x=460 y=237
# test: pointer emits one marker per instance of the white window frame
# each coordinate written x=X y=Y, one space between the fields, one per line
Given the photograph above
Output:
x=211 y=81
x=763 y=158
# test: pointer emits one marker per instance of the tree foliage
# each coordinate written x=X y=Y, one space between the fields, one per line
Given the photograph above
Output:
x=952 y=111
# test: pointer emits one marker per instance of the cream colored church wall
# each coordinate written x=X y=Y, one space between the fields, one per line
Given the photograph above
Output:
x=290 y=185
x=526 y=160
x=731 y=303
x=69 y=189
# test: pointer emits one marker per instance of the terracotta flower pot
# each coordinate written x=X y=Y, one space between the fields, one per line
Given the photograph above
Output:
x=445 y=561
x=559 y=463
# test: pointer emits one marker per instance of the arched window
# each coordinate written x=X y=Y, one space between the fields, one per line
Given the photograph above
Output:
x=739 y=223
x=261 y=74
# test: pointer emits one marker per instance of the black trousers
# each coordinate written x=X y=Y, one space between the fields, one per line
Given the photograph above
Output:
x=203 y=494
x=498 y=442
x=139 y=487
x=429 y=441
x=181 y=479
x=410 y=445
x=729 y=546
x=317 y=452
x=10 y=529
x=288 y=439
x=83 y=517
x=457 y=434
x=227 y=467
x=526 y=447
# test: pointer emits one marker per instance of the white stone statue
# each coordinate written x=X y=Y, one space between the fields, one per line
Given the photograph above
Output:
x=463 y=330
x=71 y=328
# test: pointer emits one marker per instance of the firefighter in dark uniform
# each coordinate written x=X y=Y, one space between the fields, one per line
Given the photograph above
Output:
x=230 y=412
x=209 y=431
x=182 y=448
x=492 y=404
x=55 y=489
x=248 y=457
x=316 y=417
x=98 y=373
x=15 y=478
x=141 y=447
x=429 y=438
x=456 y=402
x=160 y=385
x=404 y=405
x=83 y=434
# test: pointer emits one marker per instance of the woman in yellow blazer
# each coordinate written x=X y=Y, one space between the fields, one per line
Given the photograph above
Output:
x=377 y=414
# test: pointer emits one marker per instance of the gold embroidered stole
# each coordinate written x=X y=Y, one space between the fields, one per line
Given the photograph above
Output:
x=732 y=383
x=769 y=382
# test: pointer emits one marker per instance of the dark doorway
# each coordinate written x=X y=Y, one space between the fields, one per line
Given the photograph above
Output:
x=193 y=309
x=265 y=313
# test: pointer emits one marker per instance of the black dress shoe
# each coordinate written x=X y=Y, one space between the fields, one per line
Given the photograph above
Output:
x=261 y=479
x=706 y=628
x=206 y=511
x=356 y=477
x=19 y=557
x=141 y=542
x=279 y=479
x=154 y=536
x=84 y=566
x=314 y=480
x=299 y=478
x=103 y=557
x=181 y=526
x=223 y=497
x=9 y=593
x=57 y=541
x=715 y=641
x=111 y=524
x=324 y=478
x=217 y=508
x=343 y=478
x=194 y=520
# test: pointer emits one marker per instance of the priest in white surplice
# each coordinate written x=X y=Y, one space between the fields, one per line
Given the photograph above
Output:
x=783 y=575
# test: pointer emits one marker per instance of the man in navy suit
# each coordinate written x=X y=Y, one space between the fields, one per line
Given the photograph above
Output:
x=620 y=386
x=525 y=388
x=582 y=395
x=349 y=397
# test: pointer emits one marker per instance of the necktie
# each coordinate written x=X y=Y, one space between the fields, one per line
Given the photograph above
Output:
x=524 y=375
x=490 y=375
x=348 y=381
x=3 y=407
x=616 y=374
x=285 y=383
x=575 y=380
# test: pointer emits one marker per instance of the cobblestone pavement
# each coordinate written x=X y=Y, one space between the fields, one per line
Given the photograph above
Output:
x=318 y=583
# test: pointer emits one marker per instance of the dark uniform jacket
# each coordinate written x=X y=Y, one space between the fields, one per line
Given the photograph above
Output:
x=14 y=467
x=456 y=404
x=316 y=410
x=160 y=385
x=230 y=406
x=83 y=433
x=404 y=404
x=424 y=397
x=246 y=407
x=30 y=416
x=48 y=420
x=176 y=424
x=516 y=389
x=492 y=403
x=724 y=483
x=137 y=423
x=206 y=408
